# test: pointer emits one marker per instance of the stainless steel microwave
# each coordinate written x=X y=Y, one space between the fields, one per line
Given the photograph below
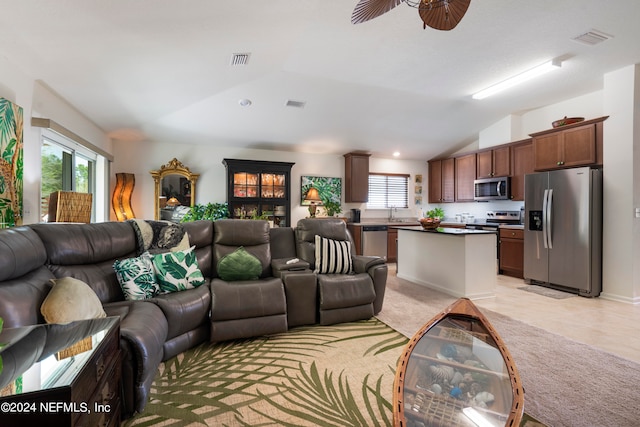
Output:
x=492 y=189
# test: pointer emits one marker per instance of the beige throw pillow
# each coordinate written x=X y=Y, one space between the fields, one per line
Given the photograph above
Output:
x=70 y=300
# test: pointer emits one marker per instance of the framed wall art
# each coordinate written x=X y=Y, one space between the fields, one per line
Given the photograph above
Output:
x=329 y=188
x=11 y=163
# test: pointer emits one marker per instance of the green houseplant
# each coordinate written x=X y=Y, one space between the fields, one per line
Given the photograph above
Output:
x=332 y=207
x=210 y=211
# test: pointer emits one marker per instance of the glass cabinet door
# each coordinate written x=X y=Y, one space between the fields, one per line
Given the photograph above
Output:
x=245 y=184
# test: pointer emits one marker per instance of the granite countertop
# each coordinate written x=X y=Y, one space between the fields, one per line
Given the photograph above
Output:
x=443 y=230
x=375 y=221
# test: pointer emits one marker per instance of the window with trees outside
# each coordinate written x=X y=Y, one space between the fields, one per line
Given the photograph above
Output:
x=388 y=191
x=66 y=166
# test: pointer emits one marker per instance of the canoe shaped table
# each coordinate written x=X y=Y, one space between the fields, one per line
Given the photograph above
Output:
x=456 y=371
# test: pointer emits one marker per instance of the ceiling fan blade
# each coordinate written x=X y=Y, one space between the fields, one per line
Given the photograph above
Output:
x=369 y=9
x=443 y=14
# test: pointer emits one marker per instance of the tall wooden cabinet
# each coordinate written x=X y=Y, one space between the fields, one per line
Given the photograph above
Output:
x=442 y=181
x=521 y=164
x=356 y=177
x=259 y=189
x=465 y=168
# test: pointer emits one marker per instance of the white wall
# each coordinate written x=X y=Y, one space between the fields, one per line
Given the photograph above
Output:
x=141 y=157
x=621 y=185
x=38 y=101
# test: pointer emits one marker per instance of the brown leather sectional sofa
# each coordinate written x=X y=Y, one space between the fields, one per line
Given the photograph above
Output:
x=287 y=294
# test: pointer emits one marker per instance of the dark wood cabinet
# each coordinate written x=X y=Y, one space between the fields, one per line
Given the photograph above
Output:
x=494 y=162
x=441 y=181
x=356 y=233
x=465 y=174
x=574 y=145
x=259 y=189
x=521 y=164
x=392 y=244
x=356 y=178
x=512 y=252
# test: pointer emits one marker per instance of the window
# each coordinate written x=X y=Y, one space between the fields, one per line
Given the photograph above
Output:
x=66 y=166
x=388 y=191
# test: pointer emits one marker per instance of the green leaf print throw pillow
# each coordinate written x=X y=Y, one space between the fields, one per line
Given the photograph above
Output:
x=239 y=265
x=136 y=277
x=177 y=271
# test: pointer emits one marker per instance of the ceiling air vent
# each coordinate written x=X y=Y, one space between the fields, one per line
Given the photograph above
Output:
x=592 y=37
x=295 y=104
x=239 y=59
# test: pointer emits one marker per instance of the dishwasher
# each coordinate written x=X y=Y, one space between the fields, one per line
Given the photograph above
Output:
x=374 y=240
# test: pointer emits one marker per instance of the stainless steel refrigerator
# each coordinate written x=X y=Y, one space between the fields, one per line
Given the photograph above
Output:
x=563 y=230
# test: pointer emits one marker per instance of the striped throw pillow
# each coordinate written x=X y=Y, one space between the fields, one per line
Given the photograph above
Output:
x=333 y=256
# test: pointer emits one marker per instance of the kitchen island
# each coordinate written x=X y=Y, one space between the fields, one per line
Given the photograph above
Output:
x=456 y=261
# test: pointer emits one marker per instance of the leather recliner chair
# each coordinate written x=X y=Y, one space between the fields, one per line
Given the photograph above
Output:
x=342 y=297
x=246 y=308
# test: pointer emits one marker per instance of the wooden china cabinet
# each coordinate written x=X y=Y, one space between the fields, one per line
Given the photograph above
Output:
x=259 y=189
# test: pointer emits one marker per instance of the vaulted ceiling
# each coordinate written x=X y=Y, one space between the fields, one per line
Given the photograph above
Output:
x=161 y=70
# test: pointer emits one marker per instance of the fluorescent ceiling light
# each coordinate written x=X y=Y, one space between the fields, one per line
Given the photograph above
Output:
x=520 y=78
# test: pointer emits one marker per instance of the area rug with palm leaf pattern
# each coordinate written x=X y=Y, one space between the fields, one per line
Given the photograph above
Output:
x=339 y=375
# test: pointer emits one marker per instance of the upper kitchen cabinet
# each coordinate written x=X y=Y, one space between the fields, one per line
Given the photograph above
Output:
x=494 y=162
x=521 y=164
x=441 y=181
x=356 y=177
x=579 y=144
x=465 y=174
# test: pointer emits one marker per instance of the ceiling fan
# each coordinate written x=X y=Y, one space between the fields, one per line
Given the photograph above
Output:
x=438 y=14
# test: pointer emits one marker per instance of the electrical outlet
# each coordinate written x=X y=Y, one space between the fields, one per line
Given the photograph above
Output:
x=637 y=212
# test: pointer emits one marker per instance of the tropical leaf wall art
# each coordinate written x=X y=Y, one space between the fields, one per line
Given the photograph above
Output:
x=11 y=163
x=330 y=189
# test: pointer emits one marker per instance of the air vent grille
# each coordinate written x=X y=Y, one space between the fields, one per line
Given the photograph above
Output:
x=295 y=104
x=592 y=37
x=238 y=59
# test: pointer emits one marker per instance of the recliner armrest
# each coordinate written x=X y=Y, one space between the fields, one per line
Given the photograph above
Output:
x=362 y=263
x=280 y=264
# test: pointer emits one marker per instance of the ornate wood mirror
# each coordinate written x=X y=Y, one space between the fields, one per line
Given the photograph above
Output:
x=175 y=185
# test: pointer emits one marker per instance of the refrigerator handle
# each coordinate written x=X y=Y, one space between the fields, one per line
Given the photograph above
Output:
x=549 y=221
x=544 y=218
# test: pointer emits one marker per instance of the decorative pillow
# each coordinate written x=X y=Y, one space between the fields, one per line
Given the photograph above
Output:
x=136 y=277
x=70 y=300
x=239 y=265
x=333 y=256
x=177 y=271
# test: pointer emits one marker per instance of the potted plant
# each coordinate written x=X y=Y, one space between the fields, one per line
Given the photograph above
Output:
x=332 y=208
x=432 y=218
x=210 y=211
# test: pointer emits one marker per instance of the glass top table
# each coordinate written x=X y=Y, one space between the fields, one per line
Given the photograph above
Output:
x=456 y=371
x=42 y=357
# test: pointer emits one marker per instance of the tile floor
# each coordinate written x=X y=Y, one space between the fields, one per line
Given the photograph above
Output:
x=609 y=325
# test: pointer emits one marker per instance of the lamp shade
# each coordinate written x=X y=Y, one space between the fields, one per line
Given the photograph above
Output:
x=312 y=195
x=173 y=202
x=122 y=192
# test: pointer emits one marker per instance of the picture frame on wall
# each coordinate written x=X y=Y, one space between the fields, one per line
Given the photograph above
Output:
x=330 y=188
